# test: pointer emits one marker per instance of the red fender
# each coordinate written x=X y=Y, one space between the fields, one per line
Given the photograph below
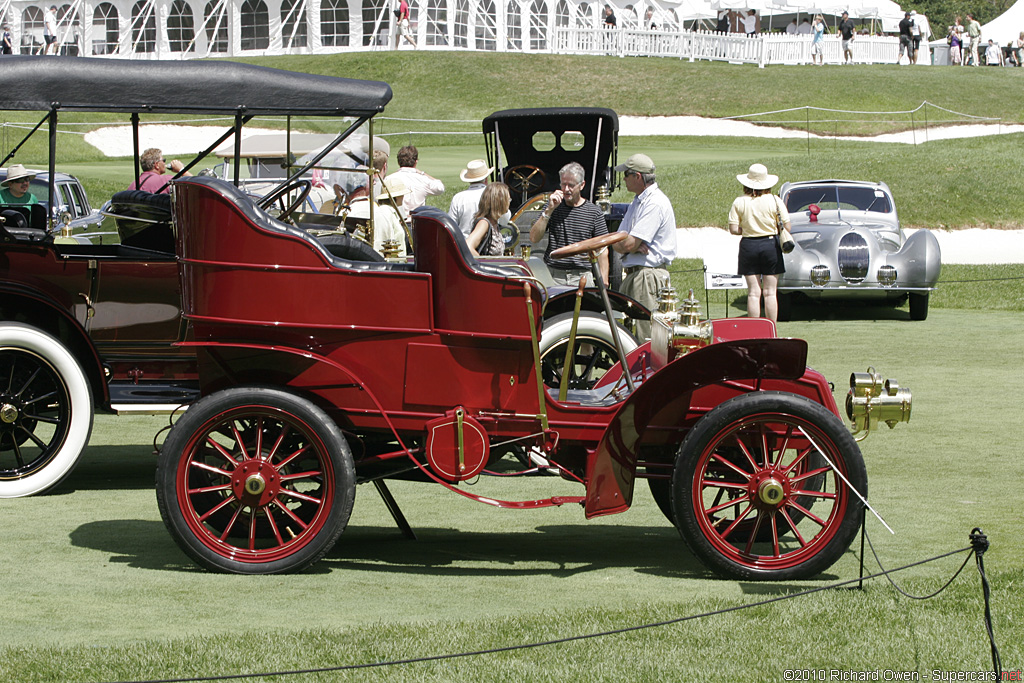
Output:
x=611 y=468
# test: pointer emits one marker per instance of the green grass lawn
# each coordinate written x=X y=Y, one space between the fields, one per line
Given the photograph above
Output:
x=96 y=589
x=949 y=183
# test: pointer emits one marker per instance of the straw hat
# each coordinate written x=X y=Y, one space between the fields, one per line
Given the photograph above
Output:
x=394 y=187
x=17 y=172
x=757 y=178
x=476 y=171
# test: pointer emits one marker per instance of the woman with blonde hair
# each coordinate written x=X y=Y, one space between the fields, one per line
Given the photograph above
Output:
x=758 y=215
x=485 y=239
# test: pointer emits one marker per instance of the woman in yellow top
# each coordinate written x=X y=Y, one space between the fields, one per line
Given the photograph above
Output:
x=755 y=215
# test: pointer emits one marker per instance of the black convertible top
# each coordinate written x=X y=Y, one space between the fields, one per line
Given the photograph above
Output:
x=586 y=135
x=75 y=83
x=534 y=119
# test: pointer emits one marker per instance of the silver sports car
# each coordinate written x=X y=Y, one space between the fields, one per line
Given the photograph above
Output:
x=850 y=246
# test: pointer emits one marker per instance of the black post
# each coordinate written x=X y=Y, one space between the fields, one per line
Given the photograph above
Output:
x=135 y=146
x=52 y=168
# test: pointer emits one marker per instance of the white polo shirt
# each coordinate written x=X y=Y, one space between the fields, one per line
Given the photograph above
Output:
x=650 y=218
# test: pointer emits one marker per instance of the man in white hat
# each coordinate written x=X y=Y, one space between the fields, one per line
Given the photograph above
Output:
x=465 y=204
x=387 y=224
x=15 y=190
x=650 y=222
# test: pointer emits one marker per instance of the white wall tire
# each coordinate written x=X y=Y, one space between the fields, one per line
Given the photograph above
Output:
x=46 y=411
x=595 y=348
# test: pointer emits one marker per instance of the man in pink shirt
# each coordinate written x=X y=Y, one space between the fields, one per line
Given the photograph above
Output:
x=154 y=176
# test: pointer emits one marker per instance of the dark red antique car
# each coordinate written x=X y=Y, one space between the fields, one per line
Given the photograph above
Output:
x=421 y=369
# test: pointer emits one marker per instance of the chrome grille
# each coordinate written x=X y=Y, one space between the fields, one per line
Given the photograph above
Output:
x=853 y=258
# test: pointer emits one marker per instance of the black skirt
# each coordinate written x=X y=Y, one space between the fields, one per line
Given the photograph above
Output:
x=761 y=256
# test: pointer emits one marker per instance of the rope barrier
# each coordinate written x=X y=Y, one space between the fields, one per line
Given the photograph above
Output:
x=855 y=111
x=979 y=544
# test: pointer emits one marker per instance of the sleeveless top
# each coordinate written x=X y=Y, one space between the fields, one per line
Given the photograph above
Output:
x=493 y=244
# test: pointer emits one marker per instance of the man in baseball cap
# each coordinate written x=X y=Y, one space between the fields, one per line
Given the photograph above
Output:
x=651 y=246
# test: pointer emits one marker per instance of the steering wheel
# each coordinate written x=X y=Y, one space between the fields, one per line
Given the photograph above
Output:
x=592 y=244
x=525 y=179
x=340 y=198
x=278 y=195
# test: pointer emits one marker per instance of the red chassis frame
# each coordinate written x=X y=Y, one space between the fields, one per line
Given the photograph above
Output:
x=424 y=363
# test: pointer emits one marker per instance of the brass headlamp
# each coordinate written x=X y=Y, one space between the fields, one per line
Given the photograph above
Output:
x=676 y=327
x=872 y=400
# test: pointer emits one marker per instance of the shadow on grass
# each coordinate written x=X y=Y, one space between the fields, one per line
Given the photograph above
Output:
x=557 y=551
x=111 y=467
x=804 y=309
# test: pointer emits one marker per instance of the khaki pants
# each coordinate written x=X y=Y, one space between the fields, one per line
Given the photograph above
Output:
x=570 y=278
x=643 y=285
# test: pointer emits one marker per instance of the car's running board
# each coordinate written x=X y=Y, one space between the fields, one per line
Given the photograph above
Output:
x=147 y=408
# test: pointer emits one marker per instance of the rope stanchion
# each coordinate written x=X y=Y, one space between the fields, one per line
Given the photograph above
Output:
x=979 y=543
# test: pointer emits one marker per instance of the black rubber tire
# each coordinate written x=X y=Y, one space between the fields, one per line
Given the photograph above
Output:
x=592 y=329
x=785 y=307
x=318 y=494
x=661 y=491
x=346 y=247
x=918 y=306
x=41 y=441
x=782 y=419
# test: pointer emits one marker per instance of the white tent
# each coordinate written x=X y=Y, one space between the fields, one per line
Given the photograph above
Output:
x=1007 y=26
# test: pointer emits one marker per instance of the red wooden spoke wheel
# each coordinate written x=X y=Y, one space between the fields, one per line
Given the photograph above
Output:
x=254 y=480
x=753 y=493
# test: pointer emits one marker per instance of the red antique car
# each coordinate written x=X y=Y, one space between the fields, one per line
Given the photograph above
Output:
x=88 y=327
x=421 y=369
x=318 y=372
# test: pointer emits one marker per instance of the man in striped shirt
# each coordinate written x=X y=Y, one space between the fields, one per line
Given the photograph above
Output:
x=569 y=218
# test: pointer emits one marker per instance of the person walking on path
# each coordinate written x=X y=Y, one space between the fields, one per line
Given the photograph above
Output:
x=906 y=39
x=974 y=31
x=650 y=247
x=50 y=31
x=404 y=27
x=818 y=42
x=758 y=216
x=956 y=41
x=848 y=31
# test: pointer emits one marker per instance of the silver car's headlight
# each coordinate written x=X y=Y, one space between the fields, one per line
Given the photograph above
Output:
x=820 y=276
x=887 y=276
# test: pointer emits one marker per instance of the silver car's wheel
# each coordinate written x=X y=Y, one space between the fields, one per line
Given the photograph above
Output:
x=918 y=306
x=45 y=411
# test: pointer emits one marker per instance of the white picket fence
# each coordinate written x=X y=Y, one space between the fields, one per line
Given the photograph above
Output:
x=762 y=49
